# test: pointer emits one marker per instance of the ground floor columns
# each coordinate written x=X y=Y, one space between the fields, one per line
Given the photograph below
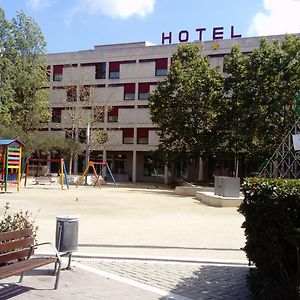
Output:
x=75 y=162
x=49 y=164
x=200 y=173
x=104 y=159
x=134 y=166
x=166 y=175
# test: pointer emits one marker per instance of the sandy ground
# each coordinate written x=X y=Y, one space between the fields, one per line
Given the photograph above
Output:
x=134 y=220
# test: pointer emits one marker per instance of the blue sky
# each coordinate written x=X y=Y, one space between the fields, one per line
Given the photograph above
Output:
x=72 y=25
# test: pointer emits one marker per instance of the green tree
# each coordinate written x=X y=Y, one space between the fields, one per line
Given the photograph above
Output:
x=6 y=82
x=42 y=143
x=24 y=97
x=260 y=92
x=185 y=105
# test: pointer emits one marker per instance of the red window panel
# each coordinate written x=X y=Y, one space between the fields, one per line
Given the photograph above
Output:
x=56 y=111
x=113 y=111
x=143 y=132
x=127 y=132
x=144 y=87
x=58 y=69
x=161 y=63
x=114 y=66
x=56 y=114
x=129 y=88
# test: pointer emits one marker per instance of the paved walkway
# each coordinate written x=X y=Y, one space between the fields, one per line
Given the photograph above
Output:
x=130 y=279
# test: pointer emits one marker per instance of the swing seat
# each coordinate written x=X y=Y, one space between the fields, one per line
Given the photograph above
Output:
x=44 y=180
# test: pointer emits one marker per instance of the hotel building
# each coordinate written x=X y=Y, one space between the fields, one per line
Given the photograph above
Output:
x=118 y=79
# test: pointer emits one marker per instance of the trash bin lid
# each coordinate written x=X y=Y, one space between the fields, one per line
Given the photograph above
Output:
x=67 y=218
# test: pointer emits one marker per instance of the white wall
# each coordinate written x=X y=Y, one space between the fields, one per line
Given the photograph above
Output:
x=134 y=116
x=138 y=70
x=114 y=137
x=153 y=138
x=57 y=97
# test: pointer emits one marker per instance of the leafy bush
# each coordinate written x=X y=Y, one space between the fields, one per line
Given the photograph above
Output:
x=272 y=227
x=19 y=220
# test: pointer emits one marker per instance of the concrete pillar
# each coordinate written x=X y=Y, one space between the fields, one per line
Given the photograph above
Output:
x=75 y=164
x=134 y=166
x=200 y=173
x=104 y=158
x=48 y=165
x=166 y=177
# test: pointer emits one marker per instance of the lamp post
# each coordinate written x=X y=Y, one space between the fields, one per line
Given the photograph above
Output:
x=87 y=149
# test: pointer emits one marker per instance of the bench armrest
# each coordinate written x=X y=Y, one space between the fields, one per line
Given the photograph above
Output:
x=46 y=243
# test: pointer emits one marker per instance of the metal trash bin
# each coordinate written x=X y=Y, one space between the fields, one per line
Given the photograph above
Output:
x=66 y=233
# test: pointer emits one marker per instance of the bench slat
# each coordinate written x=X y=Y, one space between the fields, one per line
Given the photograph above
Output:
x=16 y=244
x=15 y=255
x=16 y=234
x=25 y=265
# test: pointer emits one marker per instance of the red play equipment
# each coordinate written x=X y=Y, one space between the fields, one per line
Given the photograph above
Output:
x=63 y=171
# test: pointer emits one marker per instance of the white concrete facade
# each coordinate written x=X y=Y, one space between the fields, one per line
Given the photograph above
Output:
x=114 y=74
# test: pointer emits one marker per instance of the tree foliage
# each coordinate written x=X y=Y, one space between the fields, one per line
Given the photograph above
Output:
x=247 y=112
x=271 y=209
x=24 y=97
x=42 y=143
x=184 y=106
x=260 y=92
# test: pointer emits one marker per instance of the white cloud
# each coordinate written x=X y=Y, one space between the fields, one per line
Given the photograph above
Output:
x=35 y=4
x=278 y=17
x=122 y=9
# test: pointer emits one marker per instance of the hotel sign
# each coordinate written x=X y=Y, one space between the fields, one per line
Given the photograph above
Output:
x=183 y=36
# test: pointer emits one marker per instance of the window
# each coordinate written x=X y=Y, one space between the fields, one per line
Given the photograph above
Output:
x=144 y=89
x=128 y=135
x=56 y=115
x=98 y=114
x=71 y=134
x=161 y=67
x=143 y=135
x=153 y=167
x=100 y=70
x=71 y=94
x=112 y=115
x=82 y=135
x=85 y=93
x=114 y=70
x=129 y=91
x=58 y=72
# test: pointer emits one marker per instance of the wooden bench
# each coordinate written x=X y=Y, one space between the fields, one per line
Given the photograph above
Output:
x=16 y=250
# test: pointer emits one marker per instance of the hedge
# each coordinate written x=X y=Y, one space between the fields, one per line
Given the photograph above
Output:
x=271 y=208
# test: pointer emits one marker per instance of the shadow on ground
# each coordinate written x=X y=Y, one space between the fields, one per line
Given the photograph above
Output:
x=10 y=290
x=215 y=282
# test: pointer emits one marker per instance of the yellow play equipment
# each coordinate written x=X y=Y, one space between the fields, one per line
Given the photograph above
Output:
x=10 y=163
x=91 y=164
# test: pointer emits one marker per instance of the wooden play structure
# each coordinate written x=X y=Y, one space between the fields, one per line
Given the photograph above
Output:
x=10 y=163
x=92 y=164
x=62 y=170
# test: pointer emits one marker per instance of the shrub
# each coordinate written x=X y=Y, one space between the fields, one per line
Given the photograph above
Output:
x=18 y=220
x=271 y=208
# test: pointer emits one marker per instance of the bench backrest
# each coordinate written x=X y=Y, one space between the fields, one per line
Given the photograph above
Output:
x=15 y=245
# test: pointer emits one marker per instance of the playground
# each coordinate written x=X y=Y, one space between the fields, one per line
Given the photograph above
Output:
x=146 y=220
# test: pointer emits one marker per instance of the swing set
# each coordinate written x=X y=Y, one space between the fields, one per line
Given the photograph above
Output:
x=92 y=164
x=63 y=171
